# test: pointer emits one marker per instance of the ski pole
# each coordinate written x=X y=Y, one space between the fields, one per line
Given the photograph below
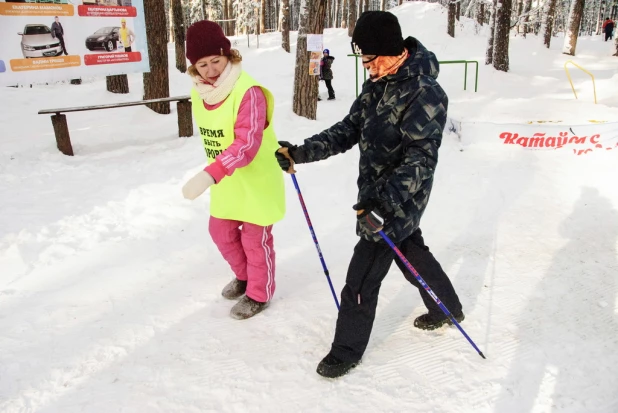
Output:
x=429 y=290
x=315 y=239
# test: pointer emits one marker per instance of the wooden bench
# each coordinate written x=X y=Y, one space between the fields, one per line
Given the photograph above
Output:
x=61 y=129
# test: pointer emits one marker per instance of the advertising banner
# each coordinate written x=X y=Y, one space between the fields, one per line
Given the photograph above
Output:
x=50 y=40
x=576 y=139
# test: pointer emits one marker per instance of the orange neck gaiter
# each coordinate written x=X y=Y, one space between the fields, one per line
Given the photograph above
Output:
x=386 y=65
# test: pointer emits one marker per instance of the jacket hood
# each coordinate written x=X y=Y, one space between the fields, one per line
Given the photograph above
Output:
x=420 y=62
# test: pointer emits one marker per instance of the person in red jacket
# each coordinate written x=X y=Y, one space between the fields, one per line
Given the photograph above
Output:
x=608 y=28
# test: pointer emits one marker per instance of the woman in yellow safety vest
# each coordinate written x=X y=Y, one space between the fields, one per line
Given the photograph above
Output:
x=234 y=116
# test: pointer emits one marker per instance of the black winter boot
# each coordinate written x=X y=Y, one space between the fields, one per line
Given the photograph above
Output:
x=428 y=322
x=234 y=289
x=331 y=367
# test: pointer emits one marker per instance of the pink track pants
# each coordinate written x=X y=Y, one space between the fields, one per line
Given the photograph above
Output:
x=248 y=248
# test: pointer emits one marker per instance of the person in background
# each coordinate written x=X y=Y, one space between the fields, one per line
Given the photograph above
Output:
x=126 y=35
x=58 y=32
x=326 y=73
x=608 y=28
x=234 y=115
x=397 y=122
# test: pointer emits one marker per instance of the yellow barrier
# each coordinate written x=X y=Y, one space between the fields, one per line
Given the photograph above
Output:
x=584 y=70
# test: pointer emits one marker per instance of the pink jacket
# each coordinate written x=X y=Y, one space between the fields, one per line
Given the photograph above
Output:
x=248 y=132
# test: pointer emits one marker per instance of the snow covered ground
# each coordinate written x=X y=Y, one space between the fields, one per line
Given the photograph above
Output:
x=110 y=285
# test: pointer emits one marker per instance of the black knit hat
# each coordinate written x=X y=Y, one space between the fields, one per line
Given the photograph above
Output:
x=377 y=33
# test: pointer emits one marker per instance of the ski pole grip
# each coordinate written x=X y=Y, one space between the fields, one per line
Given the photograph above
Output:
x=285 y=152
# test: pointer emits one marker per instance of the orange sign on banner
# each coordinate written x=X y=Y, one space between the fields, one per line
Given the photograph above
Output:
x=106 y=11
x=44 y=63
x=36 y=9
x=109 y=58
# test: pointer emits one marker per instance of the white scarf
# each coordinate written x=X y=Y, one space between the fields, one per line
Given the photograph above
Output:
x=221 y=89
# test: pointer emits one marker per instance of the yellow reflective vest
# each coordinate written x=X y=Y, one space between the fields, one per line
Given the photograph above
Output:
x=255 y=192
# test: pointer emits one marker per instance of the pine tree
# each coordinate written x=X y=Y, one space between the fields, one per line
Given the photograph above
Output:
x=574 y=22
x=284 y=24
x=548 y=21
x=501 y=35
x=179 y=35
x=156 y=83
x=312 y=16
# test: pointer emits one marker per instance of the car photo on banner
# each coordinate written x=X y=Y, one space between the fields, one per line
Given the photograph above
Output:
x=106 y=38
x=37 y=41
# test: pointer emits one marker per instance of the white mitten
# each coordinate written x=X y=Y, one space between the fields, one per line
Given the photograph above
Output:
x=197 y=185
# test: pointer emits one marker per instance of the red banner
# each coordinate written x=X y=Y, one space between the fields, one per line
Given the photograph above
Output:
x=111 y=58
x=106 y=11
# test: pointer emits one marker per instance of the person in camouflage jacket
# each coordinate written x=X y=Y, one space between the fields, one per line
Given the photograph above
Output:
x=397 y=122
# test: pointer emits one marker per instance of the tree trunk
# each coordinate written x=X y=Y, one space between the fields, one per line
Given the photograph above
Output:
x=520 y=10
x=230 y=13
x=575 y=19
x=527 y=8
x=225 y=25
x=257 y=17
x=295 y=13
x=469 y=7
x=284 y=24
x=156 y=83
x=117 y=84
x=179 y=35
x=344 y=14
x=501 y=36
x=312 y=14
x=452 y=10
x=383 y=5
x=599 y=18
x=548 y=21
x=170 y=20
x=489 y=52
x=262 y=16
x=457 y=13
x=480 y=13
x=352 y=16
x=365 y=5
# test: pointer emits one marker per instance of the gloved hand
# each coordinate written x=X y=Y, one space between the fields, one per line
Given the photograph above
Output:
x=288 y=155
x=197 y=185
x=369 y=221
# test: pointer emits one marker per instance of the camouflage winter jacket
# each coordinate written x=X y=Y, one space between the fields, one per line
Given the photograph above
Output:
x=397 y=122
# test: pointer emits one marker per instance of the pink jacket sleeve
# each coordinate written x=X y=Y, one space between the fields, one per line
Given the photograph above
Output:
x=248 y=132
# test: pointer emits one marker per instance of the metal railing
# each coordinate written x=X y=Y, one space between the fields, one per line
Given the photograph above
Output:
x=443 y=62
x=476 y=75
x=594 y=88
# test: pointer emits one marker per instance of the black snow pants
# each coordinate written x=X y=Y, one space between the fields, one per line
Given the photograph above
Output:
x=359 y=298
